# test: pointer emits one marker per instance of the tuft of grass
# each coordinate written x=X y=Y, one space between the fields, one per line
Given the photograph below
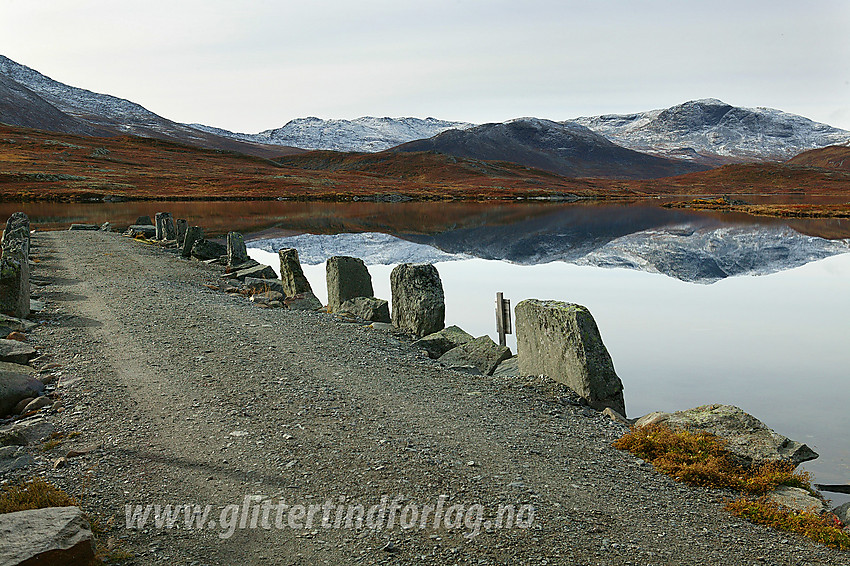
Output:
x=701 y=459
x=33 y=494
x=826 y=529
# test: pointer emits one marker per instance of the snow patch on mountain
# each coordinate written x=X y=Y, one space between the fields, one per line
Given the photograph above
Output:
x=366 y=134
x=713 y=127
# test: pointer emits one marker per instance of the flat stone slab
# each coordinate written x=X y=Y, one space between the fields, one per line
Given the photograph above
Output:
x=16 y=352
x=438 y=343
x=53 y=535
x=84 y=227
x=481 y=353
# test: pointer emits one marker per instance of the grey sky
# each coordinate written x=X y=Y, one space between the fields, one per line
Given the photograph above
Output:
x=253 y=65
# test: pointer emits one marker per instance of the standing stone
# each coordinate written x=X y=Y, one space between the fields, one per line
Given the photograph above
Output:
x=562 y=341
x=51 y=535
x=291 y=274
x=15 y=267
x=237 y=253
x=347 y=278
x=160 y=224
x=143 y=221
x=419 y=305
x=181 y=231
x=193 y=234
x=169 y=231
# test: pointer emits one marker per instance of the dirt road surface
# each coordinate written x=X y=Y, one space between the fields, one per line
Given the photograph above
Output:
x=185 y=395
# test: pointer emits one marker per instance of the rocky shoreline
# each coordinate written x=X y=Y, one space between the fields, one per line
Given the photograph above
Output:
x=171 y=391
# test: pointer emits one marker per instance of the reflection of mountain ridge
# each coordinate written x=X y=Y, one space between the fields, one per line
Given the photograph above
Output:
x=675 y=243
x=701 y=250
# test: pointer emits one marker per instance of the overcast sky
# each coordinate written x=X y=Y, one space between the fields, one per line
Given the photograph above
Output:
x=252 y=65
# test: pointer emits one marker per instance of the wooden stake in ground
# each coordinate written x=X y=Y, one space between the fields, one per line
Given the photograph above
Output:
x=503 y=317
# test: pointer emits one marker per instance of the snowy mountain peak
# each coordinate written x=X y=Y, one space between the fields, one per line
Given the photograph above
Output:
x=712 y=127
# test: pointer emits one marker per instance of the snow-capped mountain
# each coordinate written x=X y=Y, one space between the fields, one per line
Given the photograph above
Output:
x=39 y=101
x=366 y=134
x=710 y=127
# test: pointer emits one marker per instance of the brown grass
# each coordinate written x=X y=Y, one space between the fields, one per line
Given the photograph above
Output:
x=701 y=459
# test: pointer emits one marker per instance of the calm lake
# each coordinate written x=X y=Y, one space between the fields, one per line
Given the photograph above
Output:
x=693 y=308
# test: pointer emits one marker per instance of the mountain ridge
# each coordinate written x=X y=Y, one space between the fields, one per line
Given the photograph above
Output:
x=564 y=148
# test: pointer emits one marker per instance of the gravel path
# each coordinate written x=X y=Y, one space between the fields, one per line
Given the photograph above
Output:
x=189 y=395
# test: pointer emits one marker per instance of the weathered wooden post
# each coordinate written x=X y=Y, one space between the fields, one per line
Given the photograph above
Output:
x=503 y=317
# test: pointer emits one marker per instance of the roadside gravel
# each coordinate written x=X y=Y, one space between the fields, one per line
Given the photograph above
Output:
x=182 y=394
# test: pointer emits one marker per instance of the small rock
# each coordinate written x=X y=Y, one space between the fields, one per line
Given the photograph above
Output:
x=508 y=368
x=60 y=462
x=796 y=499
x=615 y=416
x=19 y=408
x=306 y=301
x=19 y=336
x=16 y=352
x=37 y=403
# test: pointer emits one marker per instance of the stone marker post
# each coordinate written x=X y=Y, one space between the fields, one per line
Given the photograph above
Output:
x=418 y=302
x=347 y=278
x=561 y=340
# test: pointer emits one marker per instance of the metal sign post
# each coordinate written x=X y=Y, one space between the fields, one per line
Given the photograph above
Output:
x=503 y=317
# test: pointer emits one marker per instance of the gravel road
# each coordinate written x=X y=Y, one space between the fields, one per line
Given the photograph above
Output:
x=182 y=394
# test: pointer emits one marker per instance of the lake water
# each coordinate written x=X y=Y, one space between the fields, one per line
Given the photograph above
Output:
x=694 y=308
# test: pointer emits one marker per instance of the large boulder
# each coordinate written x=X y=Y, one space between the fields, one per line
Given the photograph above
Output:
x=347 y=278
x=440 y=342
x=16 y=385
x=367 y=308
x=419 y=305
x=291 y=275
x=193 y=234
x=561 y=340
x=136 y=230
x=205 y=249
x=237 y=252
x=481 y=353
x=52 y=535
x=749 y=440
